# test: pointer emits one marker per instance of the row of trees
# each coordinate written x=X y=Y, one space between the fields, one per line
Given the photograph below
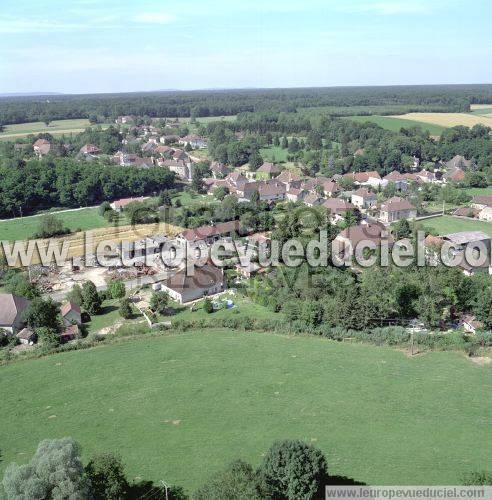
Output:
x=290 y=470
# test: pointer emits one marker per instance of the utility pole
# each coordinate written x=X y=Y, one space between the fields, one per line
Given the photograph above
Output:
x=166 y=487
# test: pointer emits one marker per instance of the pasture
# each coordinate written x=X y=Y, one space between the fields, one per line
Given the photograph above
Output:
x=180 y=407
x=22 y=228
x=448 y=119
x=56 y=127
x=449 y=224
x=394 y=123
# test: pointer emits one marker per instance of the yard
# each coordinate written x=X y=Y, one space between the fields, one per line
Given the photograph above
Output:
x=179 y=407
x=55 y=127
x=448 y=224
x=109 y=319
x=243 y=307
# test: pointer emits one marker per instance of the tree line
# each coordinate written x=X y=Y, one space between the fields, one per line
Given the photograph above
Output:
x=451 y=98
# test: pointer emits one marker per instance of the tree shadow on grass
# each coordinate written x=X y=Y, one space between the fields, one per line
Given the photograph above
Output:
x=147 y=489
x=343 y=481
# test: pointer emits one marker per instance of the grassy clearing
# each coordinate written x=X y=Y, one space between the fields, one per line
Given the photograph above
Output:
x=395 y=124
x=180 y=407
x=448 y=119
x=274 y=154
x=448 y=224
x=56 y=127
x=23 y=228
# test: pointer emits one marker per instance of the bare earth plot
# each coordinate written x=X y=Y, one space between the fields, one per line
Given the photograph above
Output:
x=448 y=119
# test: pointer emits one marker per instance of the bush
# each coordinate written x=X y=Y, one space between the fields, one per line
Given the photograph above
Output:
x=116 y=289
x=125 y=309
x=293 y=469
x=208 y=307
x=159 y=301
x=50 y=226
x=107 y=477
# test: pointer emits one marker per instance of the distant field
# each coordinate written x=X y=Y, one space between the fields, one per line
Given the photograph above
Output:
x=56 y=127
x=180 y=407
x=480 y=106
x=390 y=109
x=448 y=119
x=487 y=112
x=23 y=228
x=448 y=224
x=395 y=123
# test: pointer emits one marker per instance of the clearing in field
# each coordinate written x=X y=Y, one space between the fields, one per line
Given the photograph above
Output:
x=378 y=415
x=56 y=127
x=448 y=119
x=449 y=224
x=394 y=123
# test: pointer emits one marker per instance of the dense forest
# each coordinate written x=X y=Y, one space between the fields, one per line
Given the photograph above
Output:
x=449 y=98
x=66 y=182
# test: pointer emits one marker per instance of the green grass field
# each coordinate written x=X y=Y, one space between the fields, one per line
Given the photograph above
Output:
x=395 y=124
x=23 y=228
x=274 y=154
x=56 y=127
x=178 y=408
x=448 y=224
x=482 y=111
x=479 y=191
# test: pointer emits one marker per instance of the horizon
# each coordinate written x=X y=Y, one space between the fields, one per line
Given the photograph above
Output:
x=118 y=47
x=54 y=93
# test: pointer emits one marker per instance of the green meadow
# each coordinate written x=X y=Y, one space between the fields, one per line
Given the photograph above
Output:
x=179 y=407
x=449 y=224
x=22 y=228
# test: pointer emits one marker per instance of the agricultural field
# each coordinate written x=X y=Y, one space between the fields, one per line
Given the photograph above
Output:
x=475 y=107
x=449 y=224
x=448 y=119
x=56 y=127
x=394 y=123
x=78 y=219
x=179 y=407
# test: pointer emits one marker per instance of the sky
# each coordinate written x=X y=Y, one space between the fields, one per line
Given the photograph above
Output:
x=86 y=46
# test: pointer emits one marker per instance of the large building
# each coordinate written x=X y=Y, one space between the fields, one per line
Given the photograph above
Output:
x=397 y=208
x=12 y=309
x=206 y=280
